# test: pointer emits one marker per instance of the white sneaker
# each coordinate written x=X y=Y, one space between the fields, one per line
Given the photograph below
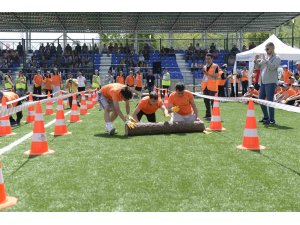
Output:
x=112 y=131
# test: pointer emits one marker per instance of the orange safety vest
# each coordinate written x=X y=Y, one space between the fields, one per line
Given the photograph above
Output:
x=286 y=76
x=236 y=81
x=120 y=79
x=245 y=75
x=221 y=82
x=209 y=82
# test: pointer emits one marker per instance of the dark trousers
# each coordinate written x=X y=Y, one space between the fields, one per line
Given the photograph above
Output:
x=221 y=91
x=256 y=86
x=70 y=102
x=37 y=91
x=19 y=115
x=150 y=117
x=267 y=91
x=208 y=102
x=234 y=94
x=244 y=87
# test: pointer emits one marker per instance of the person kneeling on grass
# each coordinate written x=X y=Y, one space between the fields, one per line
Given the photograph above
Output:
x=148 y=106
x=182 y=104
x=10 y=96
x=109 y=97
x=252 y=92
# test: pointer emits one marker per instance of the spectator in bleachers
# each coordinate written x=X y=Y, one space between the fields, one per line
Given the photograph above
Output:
x=52 y=49
x=163 y=51
x=20 y=49
x=252 y=45
x=96 y=49
x=68 y=50
x=212 y=47
x=234 y=90
x=138 y=81
x=244 y=48
x=104 y=50
x=141 y=57
x=116 y=48
x=121 y=48
x=110 y=48
x=77 y=50
x=172 y=52
x=190 y=52
x=234 y=50
x=146 y=51
x=85 y=49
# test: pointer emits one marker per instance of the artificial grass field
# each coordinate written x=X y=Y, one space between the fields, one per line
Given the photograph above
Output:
x=91 y=171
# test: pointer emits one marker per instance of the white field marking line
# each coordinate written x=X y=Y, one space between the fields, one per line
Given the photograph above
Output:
x=26 y=136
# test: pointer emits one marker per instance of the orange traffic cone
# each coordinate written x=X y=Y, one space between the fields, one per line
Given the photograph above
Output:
x=94 y=98
x=5 y=128
x=5 y=201
x=39 y=144
x=83 y=107
x=216 y=122
x=250 y=140
x=30 y=112
x=74 y=117
x=60 y=128
x=90 y=102
x=49 y=109
x=166 y=98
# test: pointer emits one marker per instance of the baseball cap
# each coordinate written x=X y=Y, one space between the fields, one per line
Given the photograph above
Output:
x=296 y=84
x=251 y=86
x=54 y=68
x=38 y=70
x=284 y=66
x=224 y=65
x=298 y=62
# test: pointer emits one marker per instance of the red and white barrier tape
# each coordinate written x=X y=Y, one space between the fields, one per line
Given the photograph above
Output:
x=275 y=105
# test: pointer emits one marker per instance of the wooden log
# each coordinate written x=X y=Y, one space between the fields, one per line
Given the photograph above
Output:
x=164 y=128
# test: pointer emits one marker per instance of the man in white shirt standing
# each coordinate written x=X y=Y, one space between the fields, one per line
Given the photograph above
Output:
x=81 y=82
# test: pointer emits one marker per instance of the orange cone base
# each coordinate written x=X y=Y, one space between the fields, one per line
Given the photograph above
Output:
x=52 y=133
x=48 y=114
x=85 y=114
x=10 y=201
x=7 y=134
x=209 y=129
x=255 y=149
x=74 y=122
x=45 y=153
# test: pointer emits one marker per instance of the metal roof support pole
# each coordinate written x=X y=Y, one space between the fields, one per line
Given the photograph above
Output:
x=136 y=42
x=205 y=40
x=26 y=47
x=64 y=39
x=241 y=40
x=171 y=40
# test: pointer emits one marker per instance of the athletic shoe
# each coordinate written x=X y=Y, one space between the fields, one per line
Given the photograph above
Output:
x=266 y=122
x=112 y=131
x=207 y=117
x=262 y=120
x=272 y=121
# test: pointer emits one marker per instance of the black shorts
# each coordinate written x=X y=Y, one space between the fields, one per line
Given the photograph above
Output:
x=138 y=88
x=150 y=117
x=81 y=89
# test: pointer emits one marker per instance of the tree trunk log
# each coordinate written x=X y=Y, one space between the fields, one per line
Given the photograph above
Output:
x=164 y=128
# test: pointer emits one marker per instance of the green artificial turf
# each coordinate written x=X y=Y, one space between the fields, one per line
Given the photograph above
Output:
x=91 y=171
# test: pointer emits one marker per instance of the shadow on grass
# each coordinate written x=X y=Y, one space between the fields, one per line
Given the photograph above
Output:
x=23 y=164
x=17 y=127
x=280 y=164
x=278 y=127
x=104 y=135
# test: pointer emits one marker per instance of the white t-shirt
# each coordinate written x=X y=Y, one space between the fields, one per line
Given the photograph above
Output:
x=81 y=81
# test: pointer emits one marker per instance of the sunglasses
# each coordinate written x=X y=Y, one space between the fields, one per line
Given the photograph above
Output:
x=267 y=49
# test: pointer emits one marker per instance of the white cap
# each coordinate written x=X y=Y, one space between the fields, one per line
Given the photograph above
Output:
x=298 y=62
x=284 y=66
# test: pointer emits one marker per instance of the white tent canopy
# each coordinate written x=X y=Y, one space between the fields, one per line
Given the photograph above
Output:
x=285 y=52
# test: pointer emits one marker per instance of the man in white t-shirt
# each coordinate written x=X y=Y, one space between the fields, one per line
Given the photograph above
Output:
x=81 y=82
